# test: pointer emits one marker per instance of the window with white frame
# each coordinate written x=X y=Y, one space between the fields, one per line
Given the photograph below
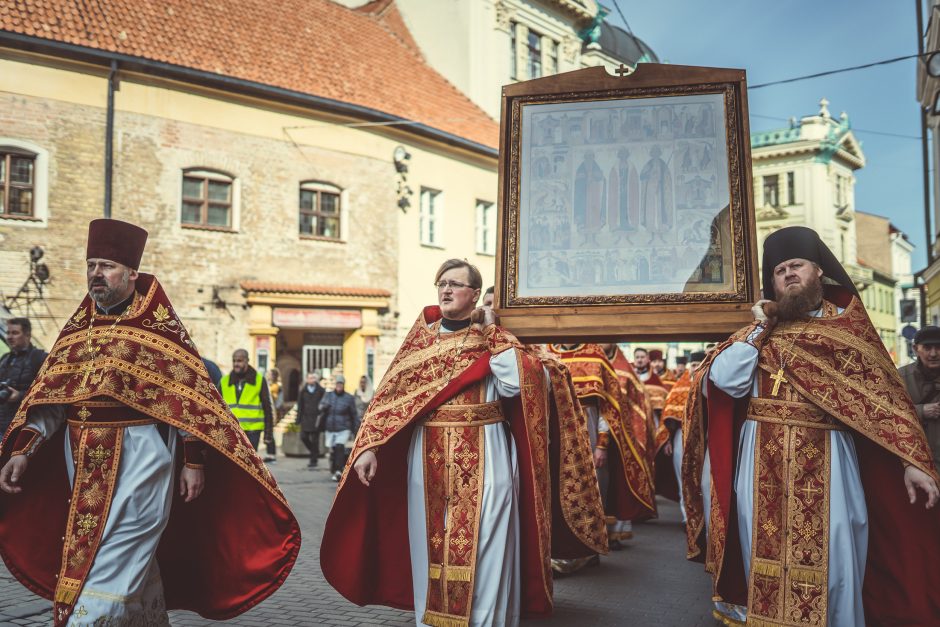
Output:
x=17 y=182
x=431 y=216
x=320 y=215
x=24 y=182
x=486 y=228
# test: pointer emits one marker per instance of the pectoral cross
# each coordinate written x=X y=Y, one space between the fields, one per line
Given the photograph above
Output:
x=778 y=379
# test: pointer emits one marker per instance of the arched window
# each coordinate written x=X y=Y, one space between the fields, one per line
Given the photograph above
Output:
x=320 y=211
x=208 y=198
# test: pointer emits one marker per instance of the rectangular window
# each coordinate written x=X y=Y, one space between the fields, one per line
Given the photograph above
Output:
x=513 y=52
x=771 y=191
x=534 y=54
x=320 y=211
x=841 y=192
x=207 y=199
x=430 y=217
x=17 y=182
x=486 y=228
x=791 y=188
x=552 y=67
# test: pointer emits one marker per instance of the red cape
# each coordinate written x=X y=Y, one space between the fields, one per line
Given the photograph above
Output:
x=365 y=553
x=902 y=576
x=221 y=554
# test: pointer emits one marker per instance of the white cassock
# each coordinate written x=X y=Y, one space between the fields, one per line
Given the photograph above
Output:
x=496 y=587
x=123 y=586
x=677 y=468
x=733 y=371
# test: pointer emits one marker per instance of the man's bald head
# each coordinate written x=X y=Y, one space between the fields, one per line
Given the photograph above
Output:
x=240 y=360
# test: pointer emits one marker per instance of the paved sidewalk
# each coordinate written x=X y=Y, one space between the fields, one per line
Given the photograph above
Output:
x=649 y=583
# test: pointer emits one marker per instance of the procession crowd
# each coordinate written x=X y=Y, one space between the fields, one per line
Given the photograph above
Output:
x=481 y=467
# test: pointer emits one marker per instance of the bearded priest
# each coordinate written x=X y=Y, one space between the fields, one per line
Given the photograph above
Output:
x=817 y=459
x=463 y=480
x=121 y=413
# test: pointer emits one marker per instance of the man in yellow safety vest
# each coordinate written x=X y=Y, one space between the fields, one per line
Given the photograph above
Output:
x=246 y=393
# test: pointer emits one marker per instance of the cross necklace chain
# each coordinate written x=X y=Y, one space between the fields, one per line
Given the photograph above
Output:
x=778 y=376
x=90 y=349
x=440 y=362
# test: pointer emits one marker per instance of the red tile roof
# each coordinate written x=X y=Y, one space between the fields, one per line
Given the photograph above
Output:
x=318 y=290
x=364 y=57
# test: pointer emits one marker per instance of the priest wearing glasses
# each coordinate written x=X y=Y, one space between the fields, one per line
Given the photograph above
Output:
x=446 y=506
x=816 y=506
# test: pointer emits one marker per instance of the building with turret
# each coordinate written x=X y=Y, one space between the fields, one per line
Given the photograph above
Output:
x=805 y=175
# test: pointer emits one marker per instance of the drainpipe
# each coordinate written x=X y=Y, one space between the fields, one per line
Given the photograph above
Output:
x=109 y=138
x=925 y=159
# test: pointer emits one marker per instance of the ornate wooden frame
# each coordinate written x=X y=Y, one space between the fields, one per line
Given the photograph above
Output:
x=672 y=316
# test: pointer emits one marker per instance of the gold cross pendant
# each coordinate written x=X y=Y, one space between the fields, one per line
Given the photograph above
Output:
x=778 y=379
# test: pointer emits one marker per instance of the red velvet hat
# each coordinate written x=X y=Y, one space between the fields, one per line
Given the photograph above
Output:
x=656 y=354
x=118 y=241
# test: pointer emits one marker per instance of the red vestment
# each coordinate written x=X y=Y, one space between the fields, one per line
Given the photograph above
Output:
x=365 y=553
x=630 y=493
x=220 y=554
x=638 y=401
x=673 y=412
x=841 y=370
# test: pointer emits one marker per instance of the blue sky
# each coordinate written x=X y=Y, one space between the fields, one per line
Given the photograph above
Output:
x=774 y=40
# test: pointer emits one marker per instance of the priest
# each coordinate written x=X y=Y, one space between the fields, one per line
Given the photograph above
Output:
x=623 y=474
x=128 y=488
x=470 y=470
x=652 y=382
x=820 y=508
x=669 y=436
x=640 y=411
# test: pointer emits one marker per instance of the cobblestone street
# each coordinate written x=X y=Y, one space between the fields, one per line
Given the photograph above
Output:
x=648 y=583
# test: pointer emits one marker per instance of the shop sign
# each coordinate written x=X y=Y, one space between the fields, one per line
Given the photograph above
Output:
x=285 y=317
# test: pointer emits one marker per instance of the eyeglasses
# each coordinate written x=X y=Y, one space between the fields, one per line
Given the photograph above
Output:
x=454 y=285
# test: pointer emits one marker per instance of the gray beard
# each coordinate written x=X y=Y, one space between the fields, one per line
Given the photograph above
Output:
x=111 y=296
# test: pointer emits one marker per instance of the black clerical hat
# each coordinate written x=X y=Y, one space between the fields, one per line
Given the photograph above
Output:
x=697 y=356
x=800 y=242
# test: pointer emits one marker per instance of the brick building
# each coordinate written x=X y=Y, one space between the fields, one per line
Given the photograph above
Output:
x=282 y=155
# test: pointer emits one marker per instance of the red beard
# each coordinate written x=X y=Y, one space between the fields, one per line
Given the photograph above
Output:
x=796 y=304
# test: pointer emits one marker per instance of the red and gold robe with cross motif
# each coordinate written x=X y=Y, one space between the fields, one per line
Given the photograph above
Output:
x=814 y=376
x=117 y=371
x=365 y=554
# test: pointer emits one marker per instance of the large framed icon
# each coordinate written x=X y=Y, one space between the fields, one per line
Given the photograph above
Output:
x=626 y=205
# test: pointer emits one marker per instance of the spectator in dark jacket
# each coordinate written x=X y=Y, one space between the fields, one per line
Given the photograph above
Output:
x=340 y=419
x=922 y=380
x=18 y=368
x=308 y=414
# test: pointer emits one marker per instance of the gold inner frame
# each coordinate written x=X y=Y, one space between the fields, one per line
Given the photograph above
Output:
x=736 y=177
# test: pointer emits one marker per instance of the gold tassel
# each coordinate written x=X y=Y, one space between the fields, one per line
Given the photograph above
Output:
x=753 y=621
x=767 y=569
x=458 y=573
x=434 y=571
x=724 y=619
x=805 y=575
x=436 y=619
x=67 y=591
